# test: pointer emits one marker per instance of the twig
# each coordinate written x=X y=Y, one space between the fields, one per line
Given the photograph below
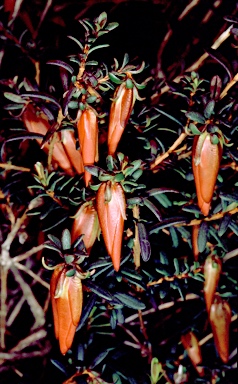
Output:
x=35 y=307
x=160 y=158
x=190 y=296
x=27 y=254
x=32 y=274
x=15 y=311
x=188 y=8
x=229 y=85
x=198 y=62
x=14 y=167
x=216 y=216
x=29 y=340
x=230 y=255
x=43 y=14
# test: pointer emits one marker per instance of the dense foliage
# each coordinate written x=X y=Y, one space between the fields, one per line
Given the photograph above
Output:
x=118 y=180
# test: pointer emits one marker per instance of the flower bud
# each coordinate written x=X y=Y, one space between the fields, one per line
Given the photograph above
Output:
x=86 y=223
x=38 y=123
x=121 y=108
x=66 y=298
x=195 y=232
x=206 y=158
x=190 y=343
x=111 y=209
x=212 y=272
x=74 y=155
x=88 y=139
x=220 y=319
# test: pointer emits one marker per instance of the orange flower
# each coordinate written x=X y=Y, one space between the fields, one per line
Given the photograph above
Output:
x=73 y=154
x=86 y=223
x=190 y=343
x=66 y=298
x=121 y=108
x=195 y=232
x=88 y=139
x=212 y=271
x=38 y=123
x=206 y=158
x=220 y=319
x=111 y=208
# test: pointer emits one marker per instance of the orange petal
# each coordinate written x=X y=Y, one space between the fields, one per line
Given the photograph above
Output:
x=220 y=319
x=111 y=217
x=75 y=294
x=86 y=223
x=53 y=284
x=212 y=272
x=120 y=112
x=208 y=168
x=74 y=154
x=38 y=123
x=190 y=343
x=88 y=139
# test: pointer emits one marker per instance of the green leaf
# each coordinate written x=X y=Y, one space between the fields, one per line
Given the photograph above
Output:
x=129 y=301
x=196 y=116
x=60 y=366
x=98 y=290
x=111 y=26
x=87 y=308
x=209 y=110
x=163 y=200
x=66 y=239
x=169 y=116
x=167 y=223
x=153 y=209
x=145 y=247
x=98 y=47
x=224 y=224
x=61 y=64
x=13 y=97
x=100 y=358
x=114 y=78
x=55 y=240
x=194 y=129
x=77 y=42
x=174 y=237
x=202 y=237
x=215 y=87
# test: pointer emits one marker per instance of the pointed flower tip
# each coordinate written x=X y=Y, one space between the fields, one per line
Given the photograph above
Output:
x=206 y=158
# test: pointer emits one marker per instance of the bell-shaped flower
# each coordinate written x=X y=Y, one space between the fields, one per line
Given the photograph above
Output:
x=212 y=272
x=111 y=209
x=88 y=138
x=206 y=157
x=220 y=319
x=86 y=223
x=37 y=122
x=121 y=108
x=191 y=345
x=74 y=155
x=66 y=298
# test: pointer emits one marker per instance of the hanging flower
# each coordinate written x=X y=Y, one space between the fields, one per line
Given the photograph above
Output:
x=212 y=272
x=86 y=223
x=220 y=319
x=121 y=108
x=195 y=232
x=190 y=343
x=206 y=157
x=36 y=122
x=111 y=209
x=88 y=139
x=66 y=298
x=75 y=156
